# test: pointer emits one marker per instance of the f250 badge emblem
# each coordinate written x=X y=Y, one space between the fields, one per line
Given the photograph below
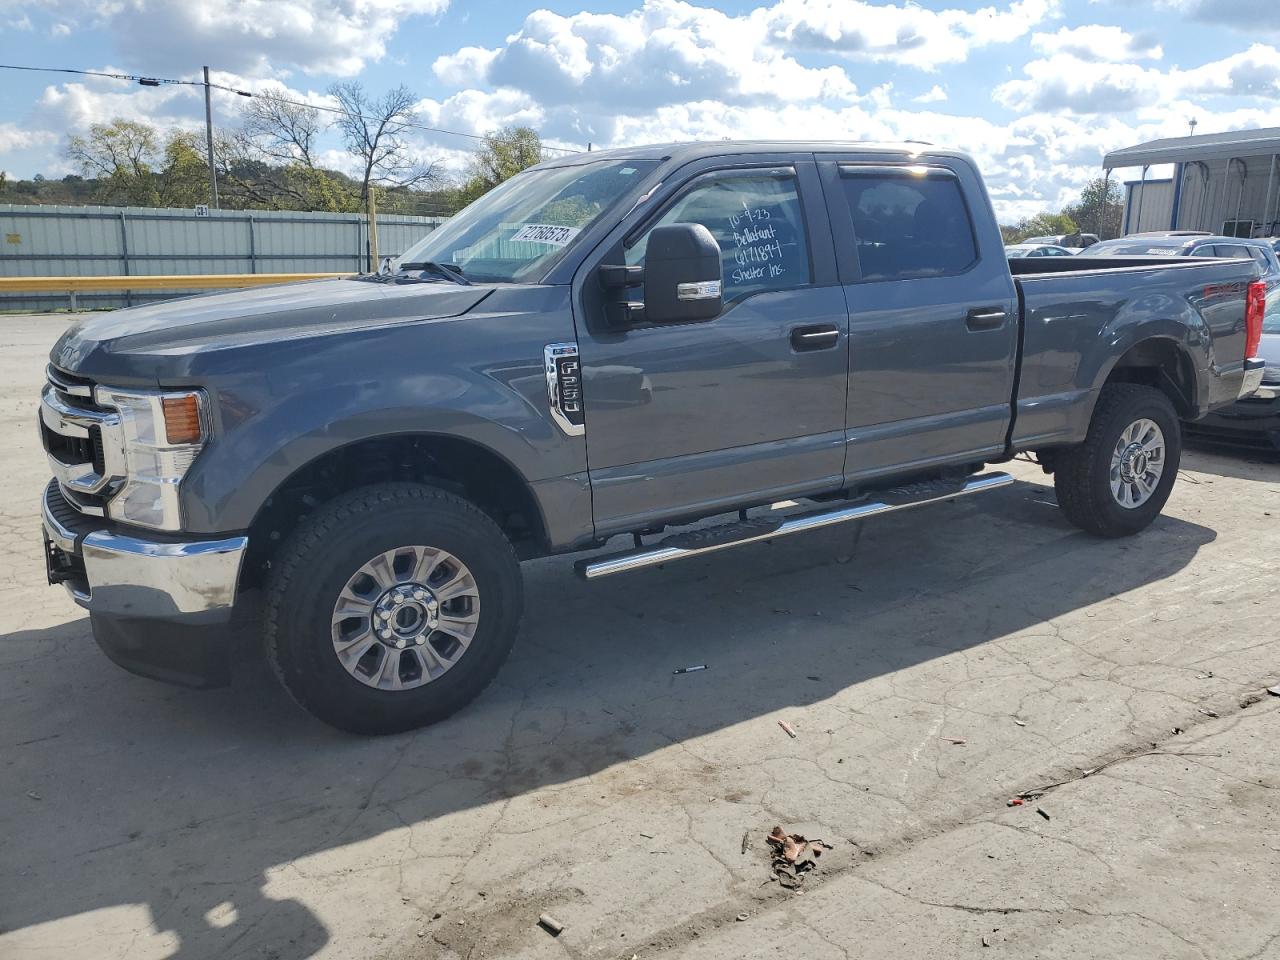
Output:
x=564 y=387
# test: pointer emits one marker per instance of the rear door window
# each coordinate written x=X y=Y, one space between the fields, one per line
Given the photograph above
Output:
x=909 y=224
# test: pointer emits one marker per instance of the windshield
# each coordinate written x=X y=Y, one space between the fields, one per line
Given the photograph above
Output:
x=518 y=229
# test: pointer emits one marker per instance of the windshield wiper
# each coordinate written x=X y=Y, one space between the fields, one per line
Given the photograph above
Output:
x=450 y=271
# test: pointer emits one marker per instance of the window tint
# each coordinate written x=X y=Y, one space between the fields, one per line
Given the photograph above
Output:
x=909 y=226
x=758 y=223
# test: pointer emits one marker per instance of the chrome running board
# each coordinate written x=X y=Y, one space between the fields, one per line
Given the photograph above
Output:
x=708 y=540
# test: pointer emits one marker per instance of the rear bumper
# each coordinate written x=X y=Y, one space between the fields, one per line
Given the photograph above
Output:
x=158 y=607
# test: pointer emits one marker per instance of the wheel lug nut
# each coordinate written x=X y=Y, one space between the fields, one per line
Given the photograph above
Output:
x=397 y=597
x=421 y=639
x=399 y=644
x=419 y=594
x=385 y=634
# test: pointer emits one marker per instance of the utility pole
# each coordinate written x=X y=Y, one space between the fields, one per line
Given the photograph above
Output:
x=375 y=263
x=208 y=141
x=1193 y=123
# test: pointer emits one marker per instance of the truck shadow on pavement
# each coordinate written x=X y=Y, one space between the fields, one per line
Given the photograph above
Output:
x=221 y=812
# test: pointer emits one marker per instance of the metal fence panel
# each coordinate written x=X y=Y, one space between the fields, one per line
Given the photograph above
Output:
x=42 y=241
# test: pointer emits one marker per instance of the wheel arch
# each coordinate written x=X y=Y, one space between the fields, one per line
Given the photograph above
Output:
x=1164 y=363
x=462 y=466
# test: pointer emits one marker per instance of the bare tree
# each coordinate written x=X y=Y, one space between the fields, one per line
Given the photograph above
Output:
x=373 y=130
x=283 y=131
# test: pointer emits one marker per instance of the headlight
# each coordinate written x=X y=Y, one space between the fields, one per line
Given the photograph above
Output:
x=160 y=435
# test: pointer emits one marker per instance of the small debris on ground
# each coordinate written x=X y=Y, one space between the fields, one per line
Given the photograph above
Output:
x=647 y=836
x=793 y=856
x=1274 y=691
x=787 y=729
x=746 y=840
x=741 y=917
x=955 y=741
x=1176 y=731
x=1040 y=810
x=1014 y=802
x=986 y=942
x=1209 y=713
x=550 y=924
x=35 y=796
x=693 y=669
x=1021 y=723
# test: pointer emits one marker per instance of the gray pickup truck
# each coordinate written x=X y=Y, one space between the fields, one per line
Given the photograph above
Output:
x=617 y=343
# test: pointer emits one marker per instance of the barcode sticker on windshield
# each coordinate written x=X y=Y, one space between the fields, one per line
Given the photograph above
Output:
x=545 y=233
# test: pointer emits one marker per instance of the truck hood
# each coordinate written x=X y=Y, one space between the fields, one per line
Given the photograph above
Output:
x=109 y=346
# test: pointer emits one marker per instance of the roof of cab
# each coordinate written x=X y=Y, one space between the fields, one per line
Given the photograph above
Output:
x=685 y=152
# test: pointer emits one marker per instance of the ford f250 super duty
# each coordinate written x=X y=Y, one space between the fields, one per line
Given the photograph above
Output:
x=617 y=343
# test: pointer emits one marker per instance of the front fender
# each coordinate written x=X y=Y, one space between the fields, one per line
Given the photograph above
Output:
x=478 y=378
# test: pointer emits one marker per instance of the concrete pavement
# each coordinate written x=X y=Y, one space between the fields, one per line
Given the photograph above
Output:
x=139 y=820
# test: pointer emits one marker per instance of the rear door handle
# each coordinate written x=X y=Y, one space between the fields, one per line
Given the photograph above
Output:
x=821 y=337
x=985 y=318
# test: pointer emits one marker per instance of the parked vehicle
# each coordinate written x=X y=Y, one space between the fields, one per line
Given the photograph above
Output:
x=1175 y=243
x=614 y=343
x=1019 y=250
x=1073 y=241
x=1252 y=422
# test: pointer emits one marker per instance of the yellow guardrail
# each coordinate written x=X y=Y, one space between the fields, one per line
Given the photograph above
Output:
x=213 y=281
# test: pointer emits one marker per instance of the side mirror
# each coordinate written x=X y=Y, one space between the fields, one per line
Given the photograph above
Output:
x=682 y=275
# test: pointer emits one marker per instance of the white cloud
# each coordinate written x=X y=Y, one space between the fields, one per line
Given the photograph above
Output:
x=1064 y=82
x=252 y=37
x=14 y=137
x=933 y=95
x=1250 y=16
x=1095 y=42
x=665 y=52
x=910 y=34
x=60 y=30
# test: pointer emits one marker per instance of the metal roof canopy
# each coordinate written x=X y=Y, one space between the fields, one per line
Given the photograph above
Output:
x=1208 y=146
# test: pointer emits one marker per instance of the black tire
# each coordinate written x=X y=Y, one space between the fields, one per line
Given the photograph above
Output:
x=1082 y=474
x=313 y=567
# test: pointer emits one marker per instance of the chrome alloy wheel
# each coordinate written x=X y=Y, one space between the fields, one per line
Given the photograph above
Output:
x=405 y=617
x=1137 y=463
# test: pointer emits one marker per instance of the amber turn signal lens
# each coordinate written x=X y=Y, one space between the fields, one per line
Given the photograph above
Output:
x=182 y=418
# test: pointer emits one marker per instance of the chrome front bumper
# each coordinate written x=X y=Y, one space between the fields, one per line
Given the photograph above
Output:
x=128 y=576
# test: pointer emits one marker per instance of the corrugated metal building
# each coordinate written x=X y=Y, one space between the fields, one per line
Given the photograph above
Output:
x=1226 y=183
x=43 y=241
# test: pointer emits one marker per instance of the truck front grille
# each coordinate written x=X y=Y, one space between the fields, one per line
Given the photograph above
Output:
x=79 y=436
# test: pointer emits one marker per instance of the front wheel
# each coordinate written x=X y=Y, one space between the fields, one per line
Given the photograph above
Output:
x=392 y=607
x=1117 y=481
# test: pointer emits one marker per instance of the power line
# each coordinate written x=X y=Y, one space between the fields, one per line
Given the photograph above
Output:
x=165 y=81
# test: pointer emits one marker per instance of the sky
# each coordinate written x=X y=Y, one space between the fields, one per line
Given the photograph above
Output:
x=1036 y=90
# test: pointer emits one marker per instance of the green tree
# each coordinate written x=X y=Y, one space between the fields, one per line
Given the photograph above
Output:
x=184 y=182
x=1040 y=225
x=500 y=157
x=1100 y=208
x=122 y=155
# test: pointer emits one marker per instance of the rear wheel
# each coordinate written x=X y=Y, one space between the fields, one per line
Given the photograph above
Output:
x=1117 y=481
x=391 y=608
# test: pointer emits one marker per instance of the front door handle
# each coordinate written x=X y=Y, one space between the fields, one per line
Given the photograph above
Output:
x=822 y=337
x=985 y=318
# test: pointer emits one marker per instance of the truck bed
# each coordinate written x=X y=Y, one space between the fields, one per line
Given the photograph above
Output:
x=1081 y=314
